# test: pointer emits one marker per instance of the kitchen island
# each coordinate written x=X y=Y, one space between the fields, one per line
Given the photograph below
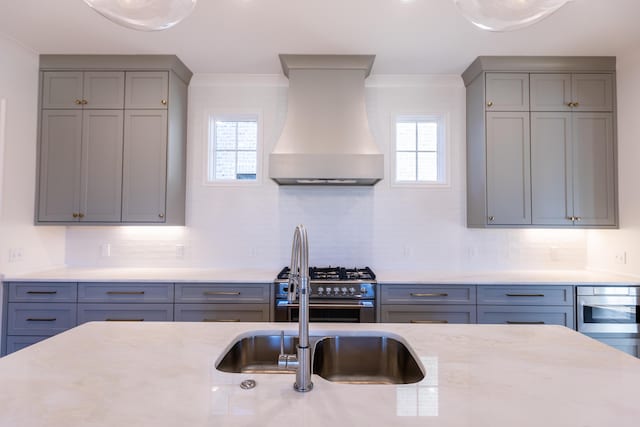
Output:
x=163 y=374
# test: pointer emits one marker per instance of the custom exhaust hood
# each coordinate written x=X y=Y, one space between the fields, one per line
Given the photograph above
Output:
x=326 y=138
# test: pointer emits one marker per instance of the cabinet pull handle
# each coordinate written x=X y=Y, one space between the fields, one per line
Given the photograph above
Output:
x=78 y=102
x=429 y=321
x=221 y=293
x=429 y=295
x=42 y=319
x=123 y=320
x=525 y=295
x=42 y=292
x=125 y=292
x=163 y=102
x=220 y=320
x=515 y=322
x=490 y=104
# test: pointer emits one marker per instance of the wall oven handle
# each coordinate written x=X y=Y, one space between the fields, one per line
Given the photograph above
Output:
x=362 y=304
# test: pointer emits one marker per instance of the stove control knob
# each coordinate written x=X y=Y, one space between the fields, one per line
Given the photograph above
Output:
x=344 y=291
x=352 y=291
x=336 y=291
x=320 y=290
x=363 y=290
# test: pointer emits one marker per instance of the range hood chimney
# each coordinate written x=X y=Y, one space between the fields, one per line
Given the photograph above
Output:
x=326 y=138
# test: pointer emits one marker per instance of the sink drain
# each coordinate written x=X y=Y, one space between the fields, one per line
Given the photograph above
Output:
x=247 y=384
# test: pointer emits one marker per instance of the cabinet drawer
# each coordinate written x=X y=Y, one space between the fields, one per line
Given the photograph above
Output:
x=230 y=293
x=40 y=319
x=125 y=312
x=15 y=343
x=525 y=315
x=526 y=295
x=222 y=313
x=42 y=292
x=429 y=314
x=427 y=294
x=125 y=292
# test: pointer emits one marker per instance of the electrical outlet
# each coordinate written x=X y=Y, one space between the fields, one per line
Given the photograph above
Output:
x=553 y=253
x=180 y=251
x=621 y=257
x=15 y=254
x=105 y=250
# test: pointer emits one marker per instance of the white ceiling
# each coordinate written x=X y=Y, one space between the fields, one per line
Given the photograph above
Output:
x=246 y=36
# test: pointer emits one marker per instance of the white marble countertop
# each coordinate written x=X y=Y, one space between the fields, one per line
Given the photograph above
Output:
x=240 y=276
x=163 y=374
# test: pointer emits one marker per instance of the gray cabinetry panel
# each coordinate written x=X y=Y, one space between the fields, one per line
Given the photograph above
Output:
x=62 y=89
x=147 y=90
x=592 y=92
x=15 y=343
x=229 y=293
x=125 y=292
x=40 y=318
x=526 y=315
x=593 y=169
x=551 y=92
x=428 y=314
x=60 y=170
x=145 y=166
x=525 y=295
x=508 y=168
x=507 y=92
x=88 y=312
x=222 y=312
x=42 y=292
x=427 y=294
x=103 y=89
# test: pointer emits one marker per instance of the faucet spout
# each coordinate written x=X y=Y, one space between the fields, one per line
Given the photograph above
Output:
x=299 y=288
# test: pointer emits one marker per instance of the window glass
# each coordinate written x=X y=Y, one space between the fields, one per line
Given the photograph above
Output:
x=233 y=149
x=419 y=150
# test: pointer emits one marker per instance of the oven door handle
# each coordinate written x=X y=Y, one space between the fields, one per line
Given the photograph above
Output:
x=360 y=304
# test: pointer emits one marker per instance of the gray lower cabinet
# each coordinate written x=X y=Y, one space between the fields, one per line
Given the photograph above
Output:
x=125 y=312
x=526 y=304
x=216 y=302
x=112 y=144
x=541 y=138
x=427 y=303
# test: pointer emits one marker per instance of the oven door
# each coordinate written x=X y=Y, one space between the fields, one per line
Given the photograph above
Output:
x=609 y=314
x=328 y=311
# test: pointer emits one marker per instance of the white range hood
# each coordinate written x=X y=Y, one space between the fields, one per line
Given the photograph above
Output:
x=326 y=138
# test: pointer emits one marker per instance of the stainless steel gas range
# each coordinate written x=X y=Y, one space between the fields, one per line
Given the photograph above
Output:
x=338 y=294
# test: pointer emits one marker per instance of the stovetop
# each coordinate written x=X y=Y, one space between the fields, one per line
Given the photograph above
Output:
x=334 y=274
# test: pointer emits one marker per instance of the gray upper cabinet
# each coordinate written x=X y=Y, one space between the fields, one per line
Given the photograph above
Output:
x=147 y=90
x=541 y=142
x=112 y=147
x=507 y=92
x=77 y=89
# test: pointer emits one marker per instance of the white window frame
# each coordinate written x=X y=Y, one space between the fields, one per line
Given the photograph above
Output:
x=443 y=151
x=209 y=157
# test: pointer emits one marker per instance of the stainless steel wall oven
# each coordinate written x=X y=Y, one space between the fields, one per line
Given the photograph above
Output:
x=337 y=295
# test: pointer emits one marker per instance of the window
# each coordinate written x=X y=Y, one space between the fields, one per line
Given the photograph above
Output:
x=233 y=148
x=419 y=150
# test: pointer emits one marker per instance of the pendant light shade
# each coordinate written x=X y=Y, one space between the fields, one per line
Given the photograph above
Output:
x=505 y=15
x=144 y=15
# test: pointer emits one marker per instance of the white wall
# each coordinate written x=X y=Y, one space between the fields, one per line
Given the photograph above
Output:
x=384 y=227
x=609 y=249
x=40 y=247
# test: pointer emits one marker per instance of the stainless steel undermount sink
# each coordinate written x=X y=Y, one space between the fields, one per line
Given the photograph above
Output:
x=351 y=359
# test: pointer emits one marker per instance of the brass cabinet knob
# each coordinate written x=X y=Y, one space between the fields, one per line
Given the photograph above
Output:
x=576 y=104
x=160 y=215
x=84 y=102
x=80 y=215
x=163 y=102
x=569 y=104
x=491 y=218
x=490 y=104
x=78 y=102
x=578 y=218
x=75 y=215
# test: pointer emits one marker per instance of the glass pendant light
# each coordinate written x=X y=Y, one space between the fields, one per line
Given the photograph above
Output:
x=144 y=15
x=505 y=15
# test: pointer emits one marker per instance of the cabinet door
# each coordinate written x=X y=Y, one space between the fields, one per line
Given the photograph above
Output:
x=551 y=169
x=147 y=90
x=592 y=92
x=101 y=189
x=507 y=92
x=428 y=314
x=144 y=166
x=103 y=89
x=48 y=319
x=526 y=315
x=222 y=312
x=593 y=169
x=508 y=169
x=125 y=313
x=62 y=89
x=60 y=152
x=550 y=92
